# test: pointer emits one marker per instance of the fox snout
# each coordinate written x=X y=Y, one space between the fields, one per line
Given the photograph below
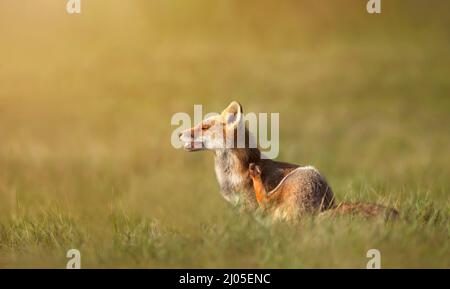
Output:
x=190 y=141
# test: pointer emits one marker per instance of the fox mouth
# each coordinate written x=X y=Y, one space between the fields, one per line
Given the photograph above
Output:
x=193 y=146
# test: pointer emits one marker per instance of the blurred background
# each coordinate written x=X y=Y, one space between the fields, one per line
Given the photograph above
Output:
x=86 y=102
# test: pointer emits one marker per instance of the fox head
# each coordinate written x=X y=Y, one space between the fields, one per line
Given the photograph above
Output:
x=214 y=132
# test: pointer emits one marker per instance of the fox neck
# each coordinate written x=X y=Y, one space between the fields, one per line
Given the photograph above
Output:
x=231 y=166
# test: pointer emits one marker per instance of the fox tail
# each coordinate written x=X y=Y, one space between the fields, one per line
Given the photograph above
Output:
x=367 y=210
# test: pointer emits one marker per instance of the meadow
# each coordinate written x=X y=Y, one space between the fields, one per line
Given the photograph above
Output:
x=86 y=101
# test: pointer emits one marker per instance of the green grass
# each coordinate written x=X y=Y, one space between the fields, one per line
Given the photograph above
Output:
x=85 y=108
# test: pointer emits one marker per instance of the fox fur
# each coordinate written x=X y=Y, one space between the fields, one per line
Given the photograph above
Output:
x=289 y=200
x=243 y=175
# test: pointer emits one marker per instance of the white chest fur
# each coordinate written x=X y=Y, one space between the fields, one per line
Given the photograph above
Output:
x=229 y=175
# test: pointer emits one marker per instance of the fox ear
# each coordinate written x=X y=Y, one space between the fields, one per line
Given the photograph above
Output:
x=232 y=114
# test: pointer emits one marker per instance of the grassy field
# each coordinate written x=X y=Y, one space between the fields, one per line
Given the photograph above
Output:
x=85 y=108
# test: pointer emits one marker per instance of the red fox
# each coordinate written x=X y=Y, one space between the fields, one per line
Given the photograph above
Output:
x=290 y=199
x=297 y=189
x=294 y=195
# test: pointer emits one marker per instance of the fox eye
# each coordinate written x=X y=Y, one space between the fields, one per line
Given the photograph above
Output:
x=205 y=126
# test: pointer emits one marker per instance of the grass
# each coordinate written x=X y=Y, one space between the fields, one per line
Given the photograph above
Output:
x=85 y=108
